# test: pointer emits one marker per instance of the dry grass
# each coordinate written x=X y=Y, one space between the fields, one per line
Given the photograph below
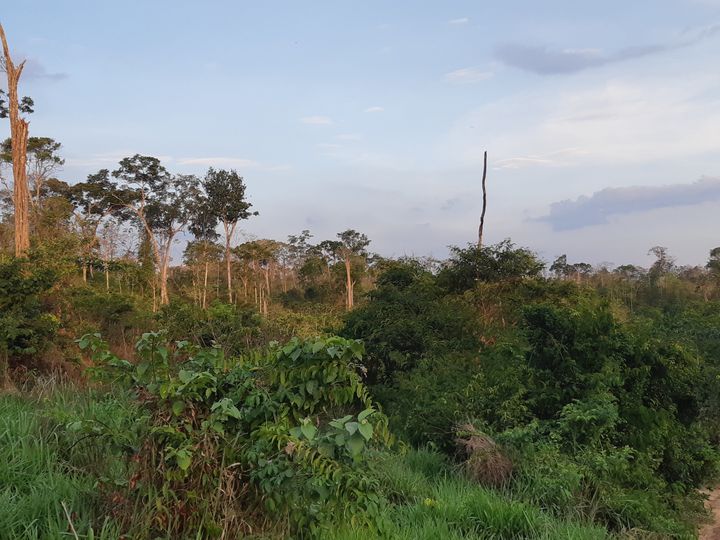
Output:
x=483 y=460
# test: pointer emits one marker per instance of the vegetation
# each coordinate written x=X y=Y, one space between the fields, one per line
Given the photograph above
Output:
x=272 y=389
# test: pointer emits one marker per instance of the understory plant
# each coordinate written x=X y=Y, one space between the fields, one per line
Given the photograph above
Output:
x=269 y=441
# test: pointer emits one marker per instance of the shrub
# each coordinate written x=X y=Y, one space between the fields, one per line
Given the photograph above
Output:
x=25 y=327
x=407 y=318
x=500 y=262
x=232 y=328
x=266 y=428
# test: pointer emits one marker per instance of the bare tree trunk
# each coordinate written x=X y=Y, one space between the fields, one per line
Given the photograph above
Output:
x=164 y=298
x=484 y=202
x=19 y=138
x=267 y=279
x=107 y=276
x=229 y=233
x=349 y=285
x=205 y=282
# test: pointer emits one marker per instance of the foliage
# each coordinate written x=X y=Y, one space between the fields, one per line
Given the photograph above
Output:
x=232 y=328
x=407 y=318
x=261 y=426
x=498 y=262
x=25 y=327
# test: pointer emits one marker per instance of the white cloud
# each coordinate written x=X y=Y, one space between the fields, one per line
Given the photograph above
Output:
x=317 y=120
x=634 y=119
x=329 y=146
x=374 y=109
x=461 y=20
x=468 y=75
x=558 y=158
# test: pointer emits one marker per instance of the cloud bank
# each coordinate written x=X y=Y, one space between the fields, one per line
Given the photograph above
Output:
x=597 y=208
x=545 y=60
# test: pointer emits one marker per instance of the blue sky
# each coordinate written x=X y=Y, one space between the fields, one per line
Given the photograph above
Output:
x=601 y=119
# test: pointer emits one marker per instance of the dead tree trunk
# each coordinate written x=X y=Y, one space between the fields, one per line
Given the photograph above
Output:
x=19 y=138
x=484 y=202
x=349 y=285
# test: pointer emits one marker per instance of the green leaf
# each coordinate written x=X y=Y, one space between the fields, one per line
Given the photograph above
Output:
x=355 y=445
x=308 y=430
x=178 y=407
x=367 y=412
x=366 y=429
x=183 y=459
x=351 y=427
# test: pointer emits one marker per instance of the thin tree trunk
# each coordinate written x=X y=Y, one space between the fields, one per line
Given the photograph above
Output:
x=107 y=276
x=484 y=202
x=19 y=138
x=229 y=232
x=349 y=284
x=205 y=283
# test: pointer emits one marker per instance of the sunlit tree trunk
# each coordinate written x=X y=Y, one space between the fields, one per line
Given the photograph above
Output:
x=349 y=285
x=205 y=284
x=19 y=137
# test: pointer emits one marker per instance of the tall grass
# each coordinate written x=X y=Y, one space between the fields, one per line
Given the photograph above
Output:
x=43 y=495
x=50 y=476
x=433 y=501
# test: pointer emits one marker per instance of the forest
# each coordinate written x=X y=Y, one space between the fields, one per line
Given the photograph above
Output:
x=164 y=376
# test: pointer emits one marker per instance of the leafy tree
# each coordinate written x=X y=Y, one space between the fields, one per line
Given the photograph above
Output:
x=352 y=246
x=226 y=201
x=42 y=161
x=25 y=329
x=93 y=202
x=200 y=253
x=560 y=266
x=663 y=265
x=713 y=263
x=499 y=262
x=160 y=203
x=202 y=227
x=406 y=319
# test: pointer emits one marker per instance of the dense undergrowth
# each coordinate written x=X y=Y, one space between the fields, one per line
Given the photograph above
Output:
x=590 y=409
x=65 y=466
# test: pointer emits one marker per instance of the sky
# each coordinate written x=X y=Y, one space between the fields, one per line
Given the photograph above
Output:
x=601 y=119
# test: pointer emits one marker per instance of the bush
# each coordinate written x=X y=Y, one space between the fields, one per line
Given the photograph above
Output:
x=500 y=262
x=230 y=327
x=406 y=319
x=267 y=429
x=25 y=327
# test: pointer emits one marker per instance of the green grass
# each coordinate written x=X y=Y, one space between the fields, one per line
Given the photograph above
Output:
x=432 y=501
x=46 y=464
x=37 y=478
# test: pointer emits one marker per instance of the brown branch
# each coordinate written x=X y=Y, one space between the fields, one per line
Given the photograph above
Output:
x=484 y=201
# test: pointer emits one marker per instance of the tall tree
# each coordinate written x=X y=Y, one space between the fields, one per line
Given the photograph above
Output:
x=202 y=227
x=352 y=245
x=42 y=161
x=19 y=136
x=93 y=202
x=225 y=192
x=160 y=203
